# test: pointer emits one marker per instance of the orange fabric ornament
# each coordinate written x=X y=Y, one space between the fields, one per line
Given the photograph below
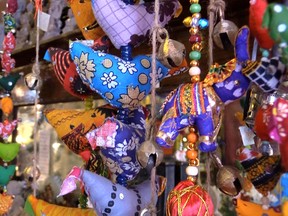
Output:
x=85 y=19
x=189 y=199
x=263 y=121
x=7 y=105
x=6 y=202
x=244 y=208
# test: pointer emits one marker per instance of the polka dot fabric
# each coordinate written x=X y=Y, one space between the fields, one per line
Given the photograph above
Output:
x=121 y=83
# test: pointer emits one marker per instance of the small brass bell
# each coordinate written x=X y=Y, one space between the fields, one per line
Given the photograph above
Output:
x=33 y=81
x=228 y=178
x=149 y=150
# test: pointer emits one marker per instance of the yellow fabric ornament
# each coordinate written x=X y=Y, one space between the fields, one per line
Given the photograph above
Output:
x=85 y=19
x=7 y=105
x=6 y=202
x=40 y=208
x=244 y=208
x=72 y=125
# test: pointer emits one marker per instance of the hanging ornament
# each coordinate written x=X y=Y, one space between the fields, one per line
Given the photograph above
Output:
x=7 y=105
x=6 y=202
x=224 y=34
x=8 y=152
x=228 y=178
x=195 y=39
x=6 y=173
x=188 y=198
x=29 y=173
x=33 y=81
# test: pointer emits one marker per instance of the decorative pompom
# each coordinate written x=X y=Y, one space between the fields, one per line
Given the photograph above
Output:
x=7 y=105
x=194 y=200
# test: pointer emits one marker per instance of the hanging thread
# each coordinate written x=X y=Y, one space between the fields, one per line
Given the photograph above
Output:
x=36 y=72
x=150 y=135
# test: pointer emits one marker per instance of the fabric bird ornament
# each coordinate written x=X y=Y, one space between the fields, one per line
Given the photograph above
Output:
x=119 y=141
x=246 y=208
x=72 y=125
x=6 y=174
x=8 y=152
x=127 y=24
x=38 y=207
x=6 y=202
x=82 y=11
x=256 y=12
x=262 y=170
x=108 y=198
x=65 y=71
x=6 y=128
x=121 y=83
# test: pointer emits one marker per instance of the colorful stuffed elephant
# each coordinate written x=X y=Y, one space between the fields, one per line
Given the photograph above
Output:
x=198 y=103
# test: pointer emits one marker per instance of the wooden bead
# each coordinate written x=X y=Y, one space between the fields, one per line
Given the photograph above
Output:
x=192 y=137
x=192 y=171
x=194 y=71
x=191 y=154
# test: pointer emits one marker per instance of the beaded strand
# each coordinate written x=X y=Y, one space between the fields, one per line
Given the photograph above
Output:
x=195 y=22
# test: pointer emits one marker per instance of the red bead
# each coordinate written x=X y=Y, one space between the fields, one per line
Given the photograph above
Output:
x=195 y=39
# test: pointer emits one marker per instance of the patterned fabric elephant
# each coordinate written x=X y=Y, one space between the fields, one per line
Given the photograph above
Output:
x=200 y=103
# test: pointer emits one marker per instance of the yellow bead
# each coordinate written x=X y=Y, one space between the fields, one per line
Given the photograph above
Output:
x=194 y=1
x=194 y=63
x=197 y=46
x=195 y=78
x=193 y=30
x=187 y=21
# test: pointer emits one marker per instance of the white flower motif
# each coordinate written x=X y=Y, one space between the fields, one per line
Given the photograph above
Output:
x=134 y=141
x=121 y=148
x=159 y=75
x=108 y=79
x=284 y=109
x=101 y=54
x=125 y=66
x=131 y=166
x=138 y=126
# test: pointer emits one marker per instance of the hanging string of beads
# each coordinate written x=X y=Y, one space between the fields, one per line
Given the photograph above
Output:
x=192 y=156
x=195 y=22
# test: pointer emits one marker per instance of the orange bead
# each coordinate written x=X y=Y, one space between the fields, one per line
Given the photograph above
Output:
x=191 y=154
x=192 y=137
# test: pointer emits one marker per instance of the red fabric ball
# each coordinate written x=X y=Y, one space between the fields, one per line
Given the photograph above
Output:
x=192 y=198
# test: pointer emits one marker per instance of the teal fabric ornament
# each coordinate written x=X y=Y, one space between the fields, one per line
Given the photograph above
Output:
x=6 y=174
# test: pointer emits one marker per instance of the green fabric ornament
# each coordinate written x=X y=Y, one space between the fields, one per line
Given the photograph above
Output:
x=276 y=21
x=8 y=82
x=9 y=151
x=6 y=174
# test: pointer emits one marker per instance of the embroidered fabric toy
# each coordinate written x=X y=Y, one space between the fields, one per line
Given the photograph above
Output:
x=6 y=202
x=6 y=128
x=8 y=82
x=9 y=151
x=65 y=71
x=119 y=141
x=38 y=207
x=72 y=125
x=256 y=12
x=6 y=173
x=262 y=170
x=109 y=198
x=85 y=19
x=268 y=75
x=245 y=208
x=130 y=24
x=122 y=83
x=197 y=104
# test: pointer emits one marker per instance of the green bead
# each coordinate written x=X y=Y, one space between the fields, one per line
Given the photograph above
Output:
x=195 y=8
x=194 y=55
